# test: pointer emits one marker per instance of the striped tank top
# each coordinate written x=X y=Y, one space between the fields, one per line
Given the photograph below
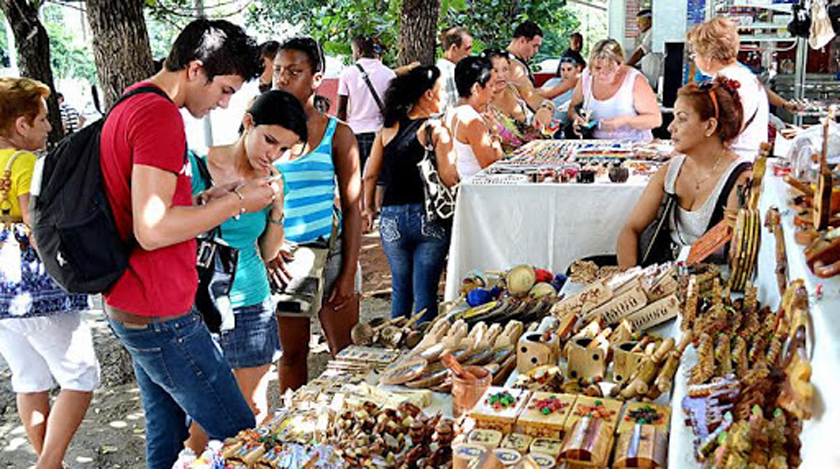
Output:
x=310 y=191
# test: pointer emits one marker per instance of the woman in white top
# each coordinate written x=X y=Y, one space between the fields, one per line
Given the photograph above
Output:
x=714 y=47
x=707 y=119
x=618 y=97
x=475 y=141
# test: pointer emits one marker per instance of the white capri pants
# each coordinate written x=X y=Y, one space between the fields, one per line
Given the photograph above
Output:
x=45 y=350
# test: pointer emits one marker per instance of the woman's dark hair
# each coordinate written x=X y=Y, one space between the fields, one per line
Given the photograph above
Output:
x=315 y=53
x=726 y=105
x=277 y=107
x=407 y=89
x=221 y=46
x=469 y=71
x=367 y=46
x=570 y=59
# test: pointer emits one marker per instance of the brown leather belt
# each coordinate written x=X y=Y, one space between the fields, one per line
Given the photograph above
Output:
x=137 y=320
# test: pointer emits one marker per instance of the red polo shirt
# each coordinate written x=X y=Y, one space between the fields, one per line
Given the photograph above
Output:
x=147 y=129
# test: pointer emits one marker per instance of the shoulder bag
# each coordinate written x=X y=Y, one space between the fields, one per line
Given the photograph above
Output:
x=439 y=200
x=655 y=245
x=366 y=78
x=216 y=264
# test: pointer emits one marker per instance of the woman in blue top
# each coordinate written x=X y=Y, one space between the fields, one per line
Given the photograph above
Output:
x=315 y=173
x=272 y=125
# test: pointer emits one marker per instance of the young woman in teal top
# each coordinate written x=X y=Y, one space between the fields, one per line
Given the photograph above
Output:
x=273 y=124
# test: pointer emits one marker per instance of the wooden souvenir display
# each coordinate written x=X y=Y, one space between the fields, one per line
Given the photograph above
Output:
x=773 y=222
x=626 y=357
x=643 y=413
x=464 y=454
x=584 y=301
x=643 y=446
x=542 y=461
x=488 y=439
x=518 y=442
x=595 y=408
x=588 y=443
x=536 y=349
x=745 y=243
x=499 y=408
x=507 y=458
x=545 y=415
x=587 y=359
x=822 y=197
x=655 y=313
x=710 y=243
x=549 y=446
x=613 y=311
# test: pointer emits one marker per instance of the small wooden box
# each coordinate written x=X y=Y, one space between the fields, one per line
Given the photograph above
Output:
x=588 y=443
x=642 y=446
x=609 y=409
x=489 y=439
x=499 y=418
x=661 y=417
x=518 y=442
x=535 y=422
x=549 y=446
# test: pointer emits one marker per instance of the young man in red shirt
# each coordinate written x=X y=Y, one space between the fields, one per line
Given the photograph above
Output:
x=180 y=372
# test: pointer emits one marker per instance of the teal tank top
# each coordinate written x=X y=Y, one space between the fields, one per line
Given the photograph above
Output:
x=250 y=285
x=310 y=191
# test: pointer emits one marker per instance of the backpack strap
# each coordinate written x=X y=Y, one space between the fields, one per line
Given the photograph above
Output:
x=5 y=188
x=366 y=78
x=723 y=197
x=141 y=90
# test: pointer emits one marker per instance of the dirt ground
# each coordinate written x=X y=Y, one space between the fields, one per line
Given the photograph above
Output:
x=112 y=434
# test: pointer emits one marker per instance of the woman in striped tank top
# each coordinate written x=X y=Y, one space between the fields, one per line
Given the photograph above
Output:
x=311 y=173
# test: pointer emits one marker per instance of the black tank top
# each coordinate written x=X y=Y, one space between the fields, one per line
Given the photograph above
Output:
x=399 y=165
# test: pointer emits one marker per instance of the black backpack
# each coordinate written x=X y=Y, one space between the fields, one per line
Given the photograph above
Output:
x=74 y=228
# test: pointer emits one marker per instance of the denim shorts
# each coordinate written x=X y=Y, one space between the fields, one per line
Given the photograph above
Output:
x=254 y=340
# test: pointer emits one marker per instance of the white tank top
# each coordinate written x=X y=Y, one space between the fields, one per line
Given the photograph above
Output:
x=687 y=226
x=621 y=103
x=466 y=162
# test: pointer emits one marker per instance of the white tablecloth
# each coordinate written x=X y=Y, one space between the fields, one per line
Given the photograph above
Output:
x=820 y=435
x=545 y=225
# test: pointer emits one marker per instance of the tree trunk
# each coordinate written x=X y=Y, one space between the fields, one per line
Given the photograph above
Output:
x=120 y=45
x=418 y=31
x=33 y=49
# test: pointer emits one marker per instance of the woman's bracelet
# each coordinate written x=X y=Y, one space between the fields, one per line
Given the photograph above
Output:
x=241 y=202
x=548 y=105
x=279 y=221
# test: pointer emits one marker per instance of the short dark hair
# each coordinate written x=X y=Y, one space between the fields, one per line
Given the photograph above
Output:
x=311 y=48
x=281 y=108
x=528 y=29
x=367 y=46
x=453 y=36
x=579 y=37
x=221 y=46
x=646 y=13
x=268 y=49
x=472 y=70
x=59 y=96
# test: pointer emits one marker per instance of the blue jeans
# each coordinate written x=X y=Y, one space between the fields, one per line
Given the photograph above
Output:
x=181 y=372
x=416 y=250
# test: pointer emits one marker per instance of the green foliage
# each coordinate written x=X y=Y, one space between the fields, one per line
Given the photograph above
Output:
x=492 y=23
x=335 y=22
x=68 y=57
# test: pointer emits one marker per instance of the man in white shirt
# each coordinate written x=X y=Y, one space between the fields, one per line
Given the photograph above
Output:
x=649 y=62
x=457 y=44
x=361 y=93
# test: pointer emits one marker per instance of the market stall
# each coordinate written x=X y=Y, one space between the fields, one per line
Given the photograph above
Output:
x=530 y=208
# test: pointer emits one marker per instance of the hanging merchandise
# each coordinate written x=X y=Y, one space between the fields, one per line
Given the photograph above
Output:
x=800 y=26
x=821 y=30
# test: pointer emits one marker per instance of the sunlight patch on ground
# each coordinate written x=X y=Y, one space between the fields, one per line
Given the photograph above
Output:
x=16 y=444
x=118 y=424
x=84 y=460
